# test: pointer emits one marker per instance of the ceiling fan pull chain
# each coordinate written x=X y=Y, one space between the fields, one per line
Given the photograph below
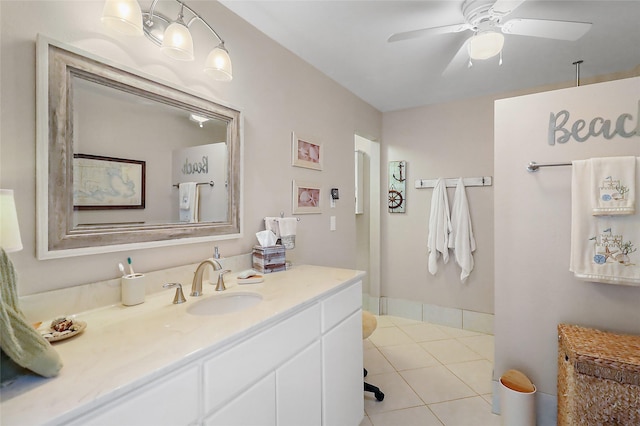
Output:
x=500 y=62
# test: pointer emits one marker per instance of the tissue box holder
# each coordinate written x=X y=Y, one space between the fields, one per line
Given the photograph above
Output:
x=269 y=259
x=598 y=377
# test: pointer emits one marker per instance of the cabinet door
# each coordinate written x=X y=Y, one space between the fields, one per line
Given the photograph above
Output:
x=171 y=401
x=255 y=407
x=342 y=394
x=299 y=389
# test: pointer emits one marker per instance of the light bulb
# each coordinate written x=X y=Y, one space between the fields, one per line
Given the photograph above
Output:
x=177 y=42
x=218 y=64
x=123 y=16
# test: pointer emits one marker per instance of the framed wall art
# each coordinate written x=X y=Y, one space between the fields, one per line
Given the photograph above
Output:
x=307 y=197
x=397 y=186
x=102 y=183
x=305 y=153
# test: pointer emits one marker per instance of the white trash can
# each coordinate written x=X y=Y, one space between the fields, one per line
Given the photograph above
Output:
x=517 y=408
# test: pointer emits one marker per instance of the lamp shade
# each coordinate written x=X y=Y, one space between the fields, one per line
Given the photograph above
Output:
x=218 y=64
x=485 y=45
x=9 y=229
x=123 y=16
x=177 y=42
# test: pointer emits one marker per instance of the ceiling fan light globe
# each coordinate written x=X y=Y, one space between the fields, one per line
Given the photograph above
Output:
x=485 y=45
x=177 y=42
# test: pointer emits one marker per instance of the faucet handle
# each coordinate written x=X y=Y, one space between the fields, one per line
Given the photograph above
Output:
x=179 y=297
x=220 y=286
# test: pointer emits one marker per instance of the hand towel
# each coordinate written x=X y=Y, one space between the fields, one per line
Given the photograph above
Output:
x=188 y=193
x=461 y=239
x=18 y=339
x=603 y=248
x=439 y=226
x=271 y=224
x=613 y=184
x=287 y=227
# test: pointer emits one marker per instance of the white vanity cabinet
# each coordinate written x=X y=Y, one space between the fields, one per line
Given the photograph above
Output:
x=342 y=381
x=293 y=359
x=280 y=351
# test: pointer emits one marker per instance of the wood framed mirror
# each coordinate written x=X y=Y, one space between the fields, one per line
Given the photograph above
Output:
x=126 y=144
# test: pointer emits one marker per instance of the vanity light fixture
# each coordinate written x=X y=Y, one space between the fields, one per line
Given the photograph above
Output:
x=485 y=44
x=9 y=230
x=173 y=37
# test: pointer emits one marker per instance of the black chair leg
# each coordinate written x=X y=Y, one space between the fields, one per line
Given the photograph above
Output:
x=374 y=389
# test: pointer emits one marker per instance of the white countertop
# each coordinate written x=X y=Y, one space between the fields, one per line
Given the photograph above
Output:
x=123 y=345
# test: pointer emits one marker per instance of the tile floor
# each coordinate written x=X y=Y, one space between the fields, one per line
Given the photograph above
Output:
x=431 y=375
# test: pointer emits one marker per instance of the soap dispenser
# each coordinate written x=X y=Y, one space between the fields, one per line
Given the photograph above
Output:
x=216 y=253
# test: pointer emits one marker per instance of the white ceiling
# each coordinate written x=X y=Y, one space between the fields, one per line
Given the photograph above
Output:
x=347 y=40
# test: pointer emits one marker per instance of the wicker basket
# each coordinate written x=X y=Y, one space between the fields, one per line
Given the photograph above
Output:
x=598 y=377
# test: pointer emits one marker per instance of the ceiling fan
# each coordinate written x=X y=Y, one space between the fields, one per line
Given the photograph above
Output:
x=486 y=19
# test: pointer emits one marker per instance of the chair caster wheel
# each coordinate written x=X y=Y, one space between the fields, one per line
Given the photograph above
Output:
x=379 y=396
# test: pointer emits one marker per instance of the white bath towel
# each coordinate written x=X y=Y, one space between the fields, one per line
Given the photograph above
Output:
x=287 y=227
x=613 y=185
x=461 y=239
x=188 y=194
x=603 y=248
x=439 y=226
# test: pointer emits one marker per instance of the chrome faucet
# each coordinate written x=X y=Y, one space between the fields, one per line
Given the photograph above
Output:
x=196 y=286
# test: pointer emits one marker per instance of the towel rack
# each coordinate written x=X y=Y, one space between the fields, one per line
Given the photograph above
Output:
x=210 y=183
x=452 y=182
x=282 y=215
x=533 y=166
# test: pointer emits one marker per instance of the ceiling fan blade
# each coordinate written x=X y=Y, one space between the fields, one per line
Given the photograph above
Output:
x=446 y=29
x=558 y=30
x=460 y=60
x=504 y=7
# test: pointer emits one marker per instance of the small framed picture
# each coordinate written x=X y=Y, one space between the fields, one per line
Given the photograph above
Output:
x=104 y=183
x=305 y=153
x=307 y=197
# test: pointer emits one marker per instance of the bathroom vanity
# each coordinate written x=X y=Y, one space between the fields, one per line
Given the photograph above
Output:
x=294 y=358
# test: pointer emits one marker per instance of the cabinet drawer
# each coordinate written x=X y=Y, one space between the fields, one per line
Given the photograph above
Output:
x=166 y=401
x=257 y=406
x=341 y=305
x=229 y=373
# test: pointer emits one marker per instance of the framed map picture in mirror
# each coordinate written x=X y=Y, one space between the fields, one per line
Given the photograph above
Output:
x=102 y=183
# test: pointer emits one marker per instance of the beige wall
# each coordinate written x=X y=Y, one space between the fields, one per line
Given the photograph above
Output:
x=447 y=140
x=534 y=288
x=276 y=90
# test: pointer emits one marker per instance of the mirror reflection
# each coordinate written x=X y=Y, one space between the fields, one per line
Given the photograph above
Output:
x=124 y=145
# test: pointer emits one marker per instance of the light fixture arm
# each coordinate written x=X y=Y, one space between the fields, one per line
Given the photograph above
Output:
x=152 y=10
x=195 y=17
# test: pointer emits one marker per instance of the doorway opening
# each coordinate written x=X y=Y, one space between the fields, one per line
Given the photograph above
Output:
x=367 y=181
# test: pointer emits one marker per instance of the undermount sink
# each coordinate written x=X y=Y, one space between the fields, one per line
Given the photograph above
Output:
x=224 y=304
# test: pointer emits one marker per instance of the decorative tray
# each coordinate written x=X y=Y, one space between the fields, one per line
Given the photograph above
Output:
x=53 y=336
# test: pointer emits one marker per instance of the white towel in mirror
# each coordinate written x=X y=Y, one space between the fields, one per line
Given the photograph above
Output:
x=188 y=198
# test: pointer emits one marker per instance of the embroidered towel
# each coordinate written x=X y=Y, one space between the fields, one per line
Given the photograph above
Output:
x=613 y=185
x=18 y=339
x=461 y=239
x=287 y=227
x=439 y=226
x=188 y=194
x=603 y=248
